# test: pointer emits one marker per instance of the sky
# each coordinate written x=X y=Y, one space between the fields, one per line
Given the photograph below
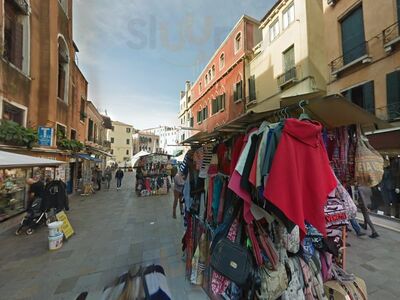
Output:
x=137 y=54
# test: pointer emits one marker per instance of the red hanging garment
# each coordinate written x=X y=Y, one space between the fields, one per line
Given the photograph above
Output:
x=301 y=178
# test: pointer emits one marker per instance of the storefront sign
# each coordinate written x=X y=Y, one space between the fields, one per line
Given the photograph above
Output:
x=66 y=227
x=45 y=136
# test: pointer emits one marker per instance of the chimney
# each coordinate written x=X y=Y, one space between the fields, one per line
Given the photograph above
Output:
x=187 y=86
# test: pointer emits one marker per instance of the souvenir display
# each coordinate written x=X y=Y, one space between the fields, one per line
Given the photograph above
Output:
x=271 y=211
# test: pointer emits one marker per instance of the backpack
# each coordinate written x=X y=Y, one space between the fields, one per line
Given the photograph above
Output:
x=296 y=284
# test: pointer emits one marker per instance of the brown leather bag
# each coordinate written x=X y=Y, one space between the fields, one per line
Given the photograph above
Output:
x=353 y=290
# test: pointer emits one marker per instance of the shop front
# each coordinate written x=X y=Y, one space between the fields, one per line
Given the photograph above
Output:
x=15 y=169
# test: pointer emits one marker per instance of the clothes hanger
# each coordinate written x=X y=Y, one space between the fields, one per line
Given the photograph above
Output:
x=304 y=115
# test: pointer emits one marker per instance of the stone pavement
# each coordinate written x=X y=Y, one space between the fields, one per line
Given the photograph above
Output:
x=115 y=230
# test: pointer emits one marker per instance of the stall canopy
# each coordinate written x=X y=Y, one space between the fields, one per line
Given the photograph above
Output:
x=137 y=156
x=13 y=160
x=88 y=157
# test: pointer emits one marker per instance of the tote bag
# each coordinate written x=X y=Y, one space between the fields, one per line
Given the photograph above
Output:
x=368 y=163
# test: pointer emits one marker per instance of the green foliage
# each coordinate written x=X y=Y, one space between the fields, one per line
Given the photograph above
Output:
x=12 y=133
x=72 y=145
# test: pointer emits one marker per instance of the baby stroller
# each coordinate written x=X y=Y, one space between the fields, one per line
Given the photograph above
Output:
x=43 y=211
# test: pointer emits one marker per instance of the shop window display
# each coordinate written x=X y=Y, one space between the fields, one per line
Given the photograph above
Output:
x=12 y=192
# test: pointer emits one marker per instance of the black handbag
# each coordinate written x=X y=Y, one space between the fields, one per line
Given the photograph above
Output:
x=232 y=261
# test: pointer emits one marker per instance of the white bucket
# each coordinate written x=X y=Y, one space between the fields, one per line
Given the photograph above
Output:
x=55 y=229
x=56 y=242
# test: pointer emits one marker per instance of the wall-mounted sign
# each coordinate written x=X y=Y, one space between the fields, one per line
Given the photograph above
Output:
x=45 y=136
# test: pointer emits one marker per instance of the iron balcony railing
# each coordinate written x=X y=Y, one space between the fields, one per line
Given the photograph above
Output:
x=391 y=33
x=287 y=77
x=390 y=112
x=349 y=57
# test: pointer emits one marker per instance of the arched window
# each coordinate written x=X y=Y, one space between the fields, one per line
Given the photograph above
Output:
x=238 y=41
x=222 y=61
x=206 y=79
x=63 y=69
x=213 y=72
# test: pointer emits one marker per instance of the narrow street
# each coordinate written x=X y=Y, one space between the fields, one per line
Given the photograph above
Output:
x=114 y=230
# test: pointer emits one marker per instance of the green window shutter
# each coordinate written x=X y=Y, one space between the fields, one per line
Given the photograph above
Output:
x=213 y=106
x=252 y=88
x=369 y=97
x=240 y=90
x=393 y=94
x=223 y=101
x=218 y=103
x=353 y=37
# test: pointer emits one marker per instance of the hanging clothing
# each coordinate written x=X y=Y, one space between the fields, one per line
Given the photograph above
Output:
x=301 y=178
x=236 y=150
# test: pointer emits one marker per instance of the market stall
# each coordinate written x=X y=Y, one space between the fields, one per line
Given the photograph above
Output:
x=152 y=176
x=14 y=170
x=266 y=217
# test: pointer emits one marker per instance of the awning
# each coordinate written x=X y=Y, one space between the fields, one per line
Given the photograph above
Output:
x=201 y=137
x=88 y=157
x=12 y=160
x=386 y=141
x=99 y=151
x=336 y=111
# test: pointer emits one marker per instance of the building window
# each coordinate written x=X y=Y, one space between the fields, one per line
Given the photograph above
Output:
x=112 y=128
x=213 y=72
x=127 y=141
x=363 y=96
x=61 y=132
x=16 y=42
x=112 y=140
x=13 y=113
x=274 y=30
x=393 y=94
x=288 y=59
x=204 y=113
x=238 y=91
x=288 y=16
x=128 y=130
x=63 y=69
x=200 y=87
x=209 y=75
x=222 y=61
x=82 y=110
x=238 y=42
x=112 y=151
x=127 y=152
x=218 y=104
x=73 y=134
x=206 y=79
x=199 y=117
x=353 y=37
x=90 y=130
x=252 y=88
x=191 y=122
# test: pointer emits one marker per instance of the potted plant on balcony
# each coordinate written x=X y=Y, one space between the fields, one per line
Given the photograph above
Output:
x=11 y=133
x=66 y=144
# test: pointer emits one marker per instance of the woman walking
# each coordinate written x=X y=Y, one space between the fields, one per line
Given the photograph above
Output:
x=179 y=182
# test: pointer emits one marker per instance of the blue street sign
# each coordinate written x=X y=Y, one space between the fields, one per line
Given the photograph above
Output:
x=45 y=136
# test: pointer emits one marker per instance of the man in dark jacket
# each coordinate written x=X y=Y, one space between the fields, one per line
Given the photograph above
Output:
x=119 y=175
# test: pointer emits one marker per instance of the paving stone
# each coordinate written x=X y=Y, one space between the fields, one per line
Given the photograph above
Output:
x=67 y=285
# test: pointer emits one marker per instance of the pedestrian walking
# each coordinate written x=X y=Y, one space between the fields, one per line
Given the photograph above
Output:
x=179 y=183
x=108 y=176
x=174 y=171
x=364 y=195
x=97 y=177
x=119 y=175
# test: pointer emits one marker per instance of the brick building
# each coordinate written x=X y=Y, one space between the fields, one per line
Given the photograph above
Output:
x=219 y=93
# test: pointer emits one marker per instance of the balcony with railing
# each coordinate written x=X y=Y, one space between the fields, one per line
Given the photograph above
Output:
x=391 y=36
x=290 y=76
x=389 y=113
x=355 y=56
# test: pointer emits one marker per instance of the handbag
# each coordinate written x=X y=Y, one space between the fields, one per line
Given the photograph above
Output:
x=232 y=261
x=273 y=283
x=355 y=290
x=368 y=163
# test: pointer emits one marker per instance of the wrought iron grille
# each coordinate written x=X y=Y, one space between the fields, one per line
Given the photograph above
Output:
x=390 y=33
x=287 y=77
